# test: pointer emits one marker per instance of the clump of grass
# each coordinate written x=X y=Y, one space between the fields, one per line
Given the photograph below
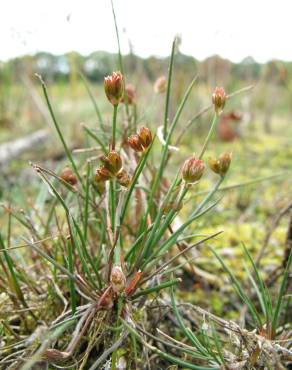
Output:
x=101 y=251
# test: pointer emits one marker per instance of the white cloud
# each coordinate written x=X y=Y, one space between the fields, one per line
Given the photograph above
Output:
x=232 y=28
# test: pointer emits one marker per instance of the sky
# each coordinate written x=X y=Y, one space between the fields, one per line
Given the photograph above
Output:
x=233 y=29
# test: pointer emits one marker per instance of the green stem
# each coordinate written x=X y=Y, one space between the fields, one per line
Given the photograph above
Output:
x=112 y=203
x=156 y=288
x=158 y=233
x=121 y=64
x=197 y=212
x=209 y=196
x=97 y=111
x=86 y=205
x=170 y=68
x=96 y=138
x=131 y=252
x=280 y=296
x=176 y=360
x=188 y=333
x=70 y=264
x=14 y=281
x=135 y=178
x=210 y=133
x=56 y=124
x=112 y=194
x=152 y=259
x=114 y=126
x=117 y=330
x=117 y=254
x=157 y=221
x=168 y=138
x=242 y=184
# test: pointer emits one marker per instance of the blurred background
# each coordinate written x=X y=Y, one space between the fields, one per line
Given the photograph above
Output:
x=225 y=43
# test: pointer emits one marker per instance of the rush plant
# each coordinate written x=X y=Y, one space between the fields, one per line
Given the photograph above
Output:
x=104 y=245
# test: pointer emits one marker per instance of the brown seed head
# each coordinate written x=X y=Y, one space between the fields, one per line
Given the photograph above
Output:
x=192 y=170
x=118 y=279
x=220 y=165
x=219 y=99
x=140 y=141
x=130 y=92
x=225 y=160
x=114 y=87
x=112 y=162
x=160 y=85
x=102 y=174
x=135 y=143
x=69 y=176
x=145 y=136
x=123 y=179
x=214 y=164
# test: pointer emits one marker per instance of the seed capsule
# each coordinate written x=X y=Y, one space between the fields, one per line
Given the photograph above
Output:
x=135 y=143
x=129 y=94
x=118 y=279
x=140 y=141
x=102 y=174
x=192 y=170
x=145 y=136
x=112 y=162
x=123 y=179
x=114 y=87
x=69 y=176
x=219 y=99
x=220 y=165
x=160 y=85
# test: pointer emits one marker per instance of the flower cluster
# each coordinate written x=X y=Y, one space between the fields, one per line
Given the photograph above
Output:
x=112 y=168
x=140 y=141
x=160 y=85
x=129 y=95
x=192 y=170
x=219 y=99
x=220 y=165
x=68 y=176
x=114 y=88
x=118 y=279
